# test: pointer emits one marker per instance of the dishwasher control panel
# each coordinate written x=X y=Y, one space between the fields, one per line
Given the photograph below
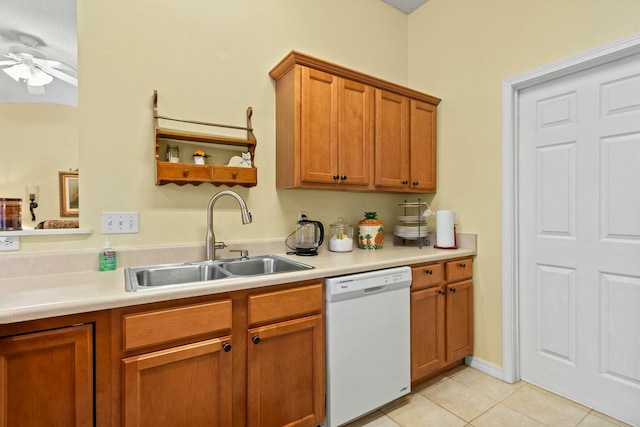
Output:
x=364 y=283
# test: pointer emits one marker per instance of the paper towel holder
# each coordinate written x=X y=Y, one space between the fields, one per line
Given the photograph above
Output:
x=446 y=215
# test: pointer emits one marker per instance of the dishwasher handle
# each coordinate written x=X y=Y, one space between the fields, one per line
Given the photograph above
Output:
x=375 y=289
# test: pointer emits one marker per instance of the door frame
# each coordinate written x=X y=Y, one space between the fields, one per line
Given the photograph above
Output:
x=511 y=88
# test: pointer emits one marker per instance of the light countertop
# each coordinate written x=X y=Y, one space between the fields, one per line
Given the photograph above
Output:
x=42 y=296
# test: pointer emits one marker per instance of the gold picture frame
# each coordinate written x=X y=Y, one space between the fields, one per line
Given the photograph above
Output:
x=69 y=194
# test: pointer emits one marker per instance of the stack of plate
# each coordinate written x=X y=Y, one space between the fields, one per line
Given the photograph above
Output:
x=410 y=232
x=411 y=227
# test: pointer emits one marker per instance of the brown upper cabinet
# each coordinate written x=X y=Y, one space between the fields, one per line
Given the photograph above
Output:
x=337 y=128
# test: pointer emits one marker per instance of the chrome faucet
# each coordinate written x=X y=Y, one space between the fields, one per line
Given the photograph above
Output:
x=211 y=237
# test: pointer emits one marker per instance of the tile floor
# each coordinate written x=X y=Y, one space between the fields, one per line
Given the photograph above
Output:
x=466 y=397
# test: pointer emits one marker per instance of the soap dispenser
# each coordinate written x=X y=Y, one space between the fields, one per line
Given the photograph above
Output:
x=108 y=257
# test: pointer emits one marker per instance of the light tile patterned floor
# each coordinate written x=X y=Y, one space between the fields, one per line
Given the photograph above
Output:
x=465 y=397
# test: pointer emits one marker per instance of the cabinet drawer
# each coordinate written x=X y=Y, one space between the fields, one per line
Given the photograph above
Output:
x=285 y=304
x=459 y=270
x=162 y=326
x=183 y=172
x=426 y=276
x=234 y=174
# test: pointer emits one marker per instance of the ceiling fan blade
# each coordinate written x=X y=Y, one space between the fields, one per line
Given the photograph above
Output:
x=58 y=74
x=35 y=90
x=54 y=64
x=3 y=63
x=18 y=72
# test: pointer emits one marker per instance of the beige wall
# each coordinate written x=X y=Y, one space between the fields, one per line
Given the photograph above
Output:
x=209 y=61
x=461 y=51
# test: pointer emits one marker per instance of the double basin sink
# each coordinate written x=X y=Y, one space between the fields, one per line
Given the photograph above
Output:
x=159 y=276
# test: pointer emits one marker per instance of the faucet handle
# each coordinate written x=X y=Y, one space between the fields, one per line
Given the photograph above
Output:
x=220 y=245
x=244 y=254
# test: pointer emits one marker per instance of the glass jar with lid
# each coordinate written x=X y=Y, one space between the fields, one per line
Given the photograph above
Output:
x=340 y=236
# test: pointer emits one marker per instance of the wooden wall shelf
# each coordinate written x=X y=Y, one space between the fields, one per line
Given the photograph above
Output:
x=195 y=174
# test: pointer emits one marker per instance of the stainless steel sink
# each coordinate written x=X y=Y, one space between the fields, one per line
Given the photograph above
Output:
x=159 y=276
x=267 y=264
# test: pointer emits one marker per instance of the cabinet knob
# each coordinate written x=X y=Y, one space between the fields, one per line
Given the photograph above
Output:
x=336 y=177
x=185 y=173
x=462 y=265
x=226 y=347
x=405 y=182
x=441 y=292
x=453 y=290
x=343 y=177
x=234 y=174
x=429 y=272
x=415 y=182
x=255 y=339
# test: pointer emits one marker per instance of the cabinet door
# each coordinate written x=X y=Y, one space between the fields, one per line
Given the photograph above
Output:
x=188 y=385
x=318 y=127
x=391 y=141
x=423 y=146
x=286 y=373
x=355 y=132
x=46 y=378
x=427 y=331
x=459 y=320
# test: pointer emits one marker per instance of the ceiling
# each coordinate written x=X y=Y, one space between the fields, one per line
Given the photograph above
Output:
x=53 y=22
x=407 y=6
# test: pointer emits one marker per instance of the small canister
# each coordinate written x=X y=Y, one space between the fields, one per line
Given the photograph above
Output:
x=10 y=214
x=340 y=236
x=173 y=154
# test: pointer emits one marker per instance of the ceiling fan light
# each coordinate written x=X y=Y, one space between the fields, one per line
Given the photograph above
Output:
x=18 y=72
x=39 y=78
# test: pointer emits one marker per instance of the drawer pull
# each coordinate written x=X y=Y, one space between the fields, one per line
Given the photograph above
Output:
x=256 y=339
x=226 y=347
x=429 y=272
x=462 y=265
x=185 y=173
x=453 y=290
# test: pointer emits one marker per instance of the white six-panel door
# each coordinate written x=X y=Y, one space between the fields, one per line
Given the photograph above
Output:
x=579 y=236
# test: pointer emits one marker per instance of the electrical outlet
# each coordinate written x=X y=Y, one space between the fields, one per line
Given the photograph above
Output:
x=301 y=214
x=120 y=223
x=9 y=243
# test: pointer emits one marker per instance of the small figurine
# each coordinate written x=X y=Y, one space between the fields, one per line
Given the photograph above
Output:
x=241 y=162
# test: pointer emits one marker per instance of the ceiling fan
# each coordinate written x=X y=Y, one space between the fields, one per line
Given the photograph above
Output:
x=26 y=64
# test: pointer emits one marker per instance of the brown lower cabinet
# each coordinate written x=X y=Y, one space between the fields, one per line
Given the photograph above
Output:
x=50 y=374
x=441 y=317
x=251 y=358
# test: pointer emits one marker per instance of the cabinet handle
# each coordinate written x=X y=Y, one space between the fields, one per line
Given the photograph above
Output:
x=234 y=174
x=453 y=290
x=185 y=173
x=255 y=339
x=429 y=272
x=415 y=182
x=226 y=347
x=462 y=265
x=405 y=182
x=336 y=177
x=441 y=292
x=343 y=177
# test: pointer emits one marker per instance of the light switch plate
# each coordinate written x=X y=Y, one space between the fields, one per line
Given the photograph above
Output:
x=120 y=223
x=9 y=243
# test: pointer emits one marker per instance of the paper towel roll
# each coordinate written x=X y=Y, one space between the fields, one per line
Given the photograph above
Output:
x=446 y=230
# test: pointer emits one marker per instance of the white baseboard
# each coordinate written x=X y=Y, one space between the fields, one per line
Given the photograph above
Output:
x=484 y=366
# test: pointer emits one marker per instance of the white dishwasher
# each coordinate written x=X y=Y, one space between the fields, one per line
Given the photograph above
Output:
x=368 y=342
